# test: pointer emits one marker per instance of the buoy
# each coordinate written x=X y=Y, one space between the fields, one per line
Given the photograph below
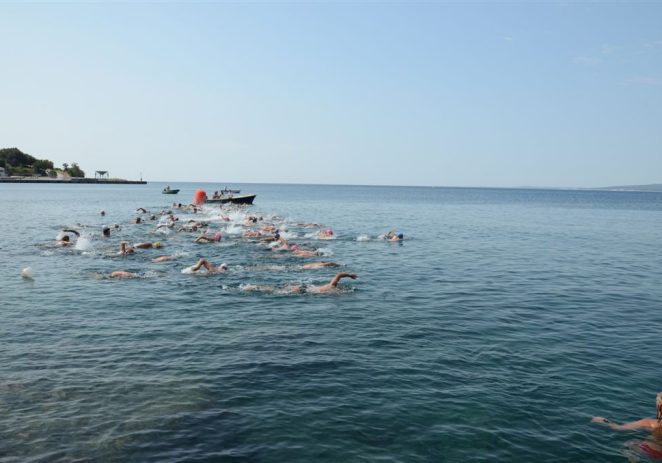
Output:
x=27 y=273
x=200 y=197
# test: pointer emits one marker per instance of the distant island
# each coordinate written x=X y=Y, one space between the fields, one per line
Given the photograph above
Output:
x=19 y=167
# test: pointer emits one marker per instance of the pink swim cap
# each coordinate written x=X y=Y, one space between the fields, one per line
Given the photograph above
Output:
x=329 y=232
x=217 y=236
x=294 y=247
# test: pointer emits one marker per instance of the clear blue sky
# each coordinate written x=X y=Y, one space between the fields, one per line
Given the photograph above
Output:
x=478 y=94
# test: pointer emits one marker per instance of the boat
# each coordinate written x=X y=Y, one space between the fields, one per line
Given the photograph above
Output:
x=168 y=191
x=242 y=199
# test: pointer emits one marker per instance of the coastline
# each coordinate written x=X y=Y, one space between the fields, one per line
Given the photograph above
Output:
x=71 y=180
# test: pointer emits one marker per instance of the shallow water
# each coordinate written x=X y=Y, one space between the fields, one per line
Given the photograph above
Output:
x=504 y=321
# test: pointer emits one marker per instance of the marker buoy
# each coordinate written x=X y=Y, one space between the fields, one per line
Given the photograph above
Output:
x=200 y=197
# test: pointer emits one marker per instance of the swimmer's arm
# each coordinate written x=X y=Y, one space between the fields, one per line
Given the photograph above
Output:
x=68 y=230
x=646 y=423
x=340 y=276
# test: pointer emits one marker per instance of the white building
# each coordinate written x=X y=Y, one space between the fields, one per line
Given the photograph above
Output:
x=3 y=172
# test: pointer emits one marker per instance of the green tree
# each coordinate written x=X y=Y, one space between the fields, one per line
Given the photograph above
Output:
x=40 y=166
x=75 y=171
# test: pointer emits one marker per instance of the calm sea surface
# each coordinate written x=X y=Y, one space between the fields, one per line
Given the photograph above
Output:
x=494 y=332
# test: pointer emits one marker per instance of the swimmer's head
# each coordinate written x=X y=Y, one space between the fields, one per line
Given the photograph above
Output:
x=105 y=231
x=224 y=266
x=658 y=404
x=103 y=213
x=138 y=220
x=217 y=236
x=65 y=238
x=156 y=244
x=400 y=235
x=294 y=247
x=329 y=232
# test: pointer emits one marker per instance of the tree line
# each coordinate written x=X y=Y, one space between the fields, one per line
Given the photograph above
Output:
x=16 y=162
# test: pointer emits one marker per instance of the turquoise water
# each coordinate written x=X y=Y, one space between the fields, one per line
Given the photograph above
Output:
x=494 y=332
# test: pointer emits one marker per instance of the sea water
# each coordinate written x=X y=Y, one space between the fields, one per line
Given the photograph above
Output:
x=502 y=323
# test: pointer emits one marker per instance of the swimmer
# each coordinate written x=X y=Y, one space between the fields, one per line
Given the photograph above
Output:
x=105 y=232
x=306 y=253
x=251 y=234
x=65 y=241
x=121 y=275
x=392 y=235
x=147 y=245
x=310 y=265
x=268 y=239
x=208 y=266
x=299 y=289
x=136 y=220
x=325 y=234
x=125 y=249
x=166 y=225
x=142 y=209
x=205 y=238
x=188 y=229
x=652 y=424
x=103 y=213
x=161 y=259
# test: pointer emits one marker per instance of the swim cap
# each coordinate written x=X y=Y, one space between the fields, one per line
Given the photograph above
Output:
x=217 y=236
x=294 y=247
x=224 y=265
x=400 y=235
x=156 y=244
x=329 y=232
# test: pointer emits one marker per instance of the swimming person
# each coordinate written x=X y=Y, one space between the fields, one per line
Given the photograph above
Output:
x=325 y=234
x=310 y=265
x=644 y=423
x=160 y=259
x=148 y=245
x=392 y=235
x=125 y=249
x=300 y=289
x=306 y=253
x=65 y=241
x=121 y=274
x=205 y=238
x=207 y=265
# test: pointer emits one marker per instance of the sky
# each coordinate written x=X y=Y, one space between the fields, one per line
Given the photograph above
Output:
x=500 y=94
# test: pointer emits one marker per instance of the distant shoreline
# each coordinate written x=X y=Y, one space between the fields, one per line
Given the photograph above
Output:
x=87 y=181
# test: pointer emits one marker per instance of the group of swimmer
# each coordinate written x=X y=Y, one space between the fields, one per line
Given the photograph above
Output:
x=258 y=229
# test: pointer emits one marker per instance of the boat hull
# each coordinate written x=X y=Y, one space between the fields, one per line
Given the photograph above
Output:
x=170 y=192
x=243 y=199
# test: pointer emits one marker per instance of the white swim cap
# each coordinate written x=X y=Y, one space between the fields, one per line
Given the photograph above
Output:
x=224 y=265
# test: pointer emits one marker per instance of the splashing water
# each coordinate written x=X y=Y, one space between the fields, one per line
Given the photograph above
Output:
x=83 y=243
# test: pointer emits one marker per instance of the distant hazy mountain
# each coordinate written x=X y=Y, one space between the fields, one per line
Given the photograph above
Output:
x=652 y=187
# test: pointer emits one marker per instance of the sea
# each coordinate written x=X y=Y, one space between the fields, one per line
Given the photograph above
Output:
x=493 y=332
